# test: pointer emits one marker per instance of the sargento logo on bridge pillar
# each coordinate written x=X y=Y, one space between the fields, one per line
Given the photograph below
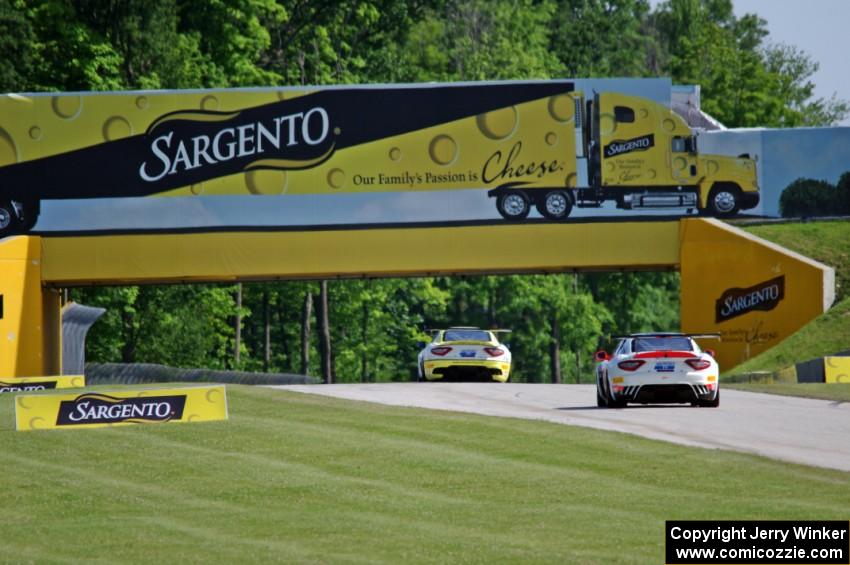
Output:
x=11 y=386
x=33 y=384
x=736 y=302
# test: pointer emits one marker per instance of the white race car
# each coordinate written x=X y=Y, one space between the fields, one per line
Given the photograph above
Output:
x=651 y=368
x=465 y=354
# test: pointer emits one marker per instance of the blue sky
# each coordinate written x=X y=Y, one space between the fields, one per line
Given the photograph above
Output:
x=818 y=27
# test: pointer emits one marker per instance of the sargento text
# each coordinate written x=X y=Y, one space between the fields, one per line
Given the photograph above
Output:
x=749 y=301
x=174 y=154
x=102 y=409
x=85 y=411
x=737 y=301
x=627 y=146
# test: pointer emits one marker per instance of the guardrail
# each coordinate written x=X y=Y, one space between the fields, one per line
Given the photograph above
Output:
x=828 y=369
x=139 y=373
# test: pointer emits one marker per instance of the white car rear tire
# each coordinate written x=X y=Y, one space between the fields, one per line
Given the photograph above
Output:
x=711 y=403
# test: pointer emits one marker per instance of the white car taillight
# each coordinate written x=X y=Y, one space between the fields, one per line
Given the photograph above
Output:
x=698 y=364
x=632 y=365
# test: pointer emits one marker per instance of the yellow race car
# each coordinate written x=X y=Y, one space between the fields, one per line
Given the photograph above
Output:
x=465 y=354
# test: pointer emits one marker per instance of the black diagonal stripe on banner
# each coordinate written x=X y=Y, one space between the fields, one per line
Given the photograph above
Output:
x=360 y=115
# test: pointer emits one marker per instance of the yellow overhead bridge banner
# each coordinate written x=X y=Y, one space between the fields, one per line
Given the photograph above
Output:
x=102 y=409
x=313 y=140
x=355 y=155
x=32 y=384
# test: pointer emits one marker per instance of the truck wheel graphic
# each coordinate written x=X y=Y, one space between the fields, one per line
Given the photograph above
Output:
x=513 y=205
x=556 y=205
x=28 y=215
x=724 y=200
x=8 y=218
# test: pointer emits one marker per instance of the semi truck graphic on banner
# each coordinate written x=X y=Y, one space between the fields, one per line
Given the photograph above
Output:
x=534 y=144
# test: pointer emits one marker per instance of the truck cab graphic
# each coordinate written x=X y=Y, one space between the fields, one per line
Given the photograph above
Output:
x=639 y=154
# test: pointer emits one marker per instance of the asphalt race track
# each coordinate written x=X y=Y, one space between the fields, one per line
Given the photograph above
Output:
x=812 y=432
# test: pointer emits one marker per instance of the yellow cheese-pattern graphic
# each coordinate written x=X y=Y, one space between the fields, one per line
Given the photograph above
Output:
x=30 y=384
x=837 y=369
x=522 y=142
x=56 y=124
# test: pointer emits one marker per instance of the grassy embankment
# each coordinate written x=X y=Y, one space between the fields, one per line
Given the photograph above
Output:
x=832 y=391
x=829 y=333
x=829 y=243
x=301 y=478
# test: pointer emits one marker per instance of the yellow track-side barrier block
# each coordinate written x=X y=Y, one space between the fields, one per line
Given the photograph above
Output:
x=32 y=384
x=837 y=369
x=102 y=409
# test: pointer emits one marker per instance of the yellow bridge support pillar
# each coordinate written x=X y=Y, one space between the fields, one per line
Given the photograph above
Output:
x=753 y=292
x=30 y=319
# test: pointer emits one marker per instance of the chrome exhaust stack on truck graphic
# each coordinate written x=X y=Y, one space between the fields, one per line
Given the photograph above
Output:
x=526 y=143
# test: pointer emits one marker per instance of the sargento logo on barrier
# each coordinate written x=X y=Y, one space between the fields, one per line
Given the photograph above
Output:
x=26 y=387
x=187 y=140
x=103 y=409
x=621 y=146
x=120 y=408
x=738 y=301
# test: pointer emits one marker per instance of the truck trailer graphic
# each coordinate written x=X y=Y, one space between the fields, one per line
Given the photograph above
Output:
x=528 y=144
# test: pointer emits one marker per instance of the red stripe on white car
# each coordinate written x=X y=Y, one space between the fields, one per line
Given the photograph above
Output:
x=665 y=354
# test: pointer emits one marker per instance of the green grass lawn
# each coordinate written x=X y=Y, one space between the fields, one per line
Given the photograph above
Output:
x=825 y=335
x=310 y=479
x=825 y=391
x=827 y=242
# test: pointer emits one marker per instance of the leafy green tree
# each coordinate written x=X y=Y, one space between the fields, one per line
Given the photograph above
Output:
x=842 y=198
x=809 y=197
x=235 y=36
x=541 y=311
x=188 y=325
x=330 y=42
x=601 y=38
x=478 y=40
x=554 y=321
x=113 y=338
x=636 y=302
x=557 y=319
x=154 y=54
x=16 y=43
x=181 y=325
x=711 y=48
x=274 y=309
x=70 y=55
x=377 y=324
x=791 y=70
x=744 y=82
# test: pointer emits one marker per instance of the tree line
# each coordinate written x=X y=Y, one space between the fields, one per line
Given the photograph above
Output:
x=366 y=330
x=811 y=197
